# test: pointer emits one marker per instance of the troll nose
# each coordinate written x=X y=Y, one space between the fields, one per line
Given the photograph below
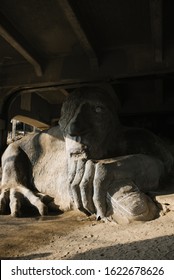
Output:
x=79 y=124
x=75 y=129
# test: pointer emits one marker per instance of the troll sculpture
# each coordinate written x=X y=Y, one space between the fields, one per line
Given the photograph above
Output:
x=89 y=161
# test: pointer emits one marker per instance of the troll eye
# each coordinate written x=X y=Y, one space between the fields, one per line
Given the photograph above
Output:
x=98 y=109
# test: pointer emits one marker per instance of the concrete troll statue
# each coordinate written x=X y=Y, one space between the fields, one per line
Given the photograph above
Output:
x=89 y=161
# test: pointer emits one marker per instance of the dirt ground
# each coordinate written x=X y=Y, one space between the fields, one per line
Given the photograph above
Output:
x=73 y=236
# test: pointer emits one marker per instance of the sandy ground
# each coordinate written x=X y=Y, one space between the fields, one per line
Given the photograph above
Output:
x=73 y=236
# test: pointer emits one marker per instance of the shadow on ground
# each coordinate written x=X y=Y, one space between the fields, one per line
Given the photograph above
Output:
x=161 y=248
x=28 y=257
